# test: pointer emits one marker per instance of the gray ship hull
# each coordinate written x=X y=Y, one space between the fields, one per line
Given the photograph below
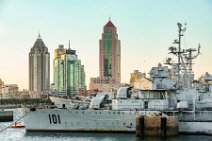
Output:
x=64 y=120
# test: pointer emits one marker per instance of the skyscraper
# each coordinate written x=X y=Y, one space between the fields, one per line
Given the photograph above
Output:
x=109 y=60
x=69 y=75
x=58 y=68
x=39 y=70
x=109 y=53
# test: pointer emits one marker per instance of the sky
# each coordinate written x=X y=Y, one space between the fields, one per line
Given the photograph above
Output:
x=146 y=29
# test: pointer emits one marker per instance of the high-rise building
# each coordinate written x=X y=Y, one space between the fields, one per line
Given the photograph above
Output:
x=69 y=74
x=110 y=53
x=109 y=60
x=58 y=68
x=39 y=70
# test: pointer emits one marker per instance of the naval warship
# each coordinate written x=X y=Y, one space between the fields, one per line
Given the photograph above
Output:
x=170 y=90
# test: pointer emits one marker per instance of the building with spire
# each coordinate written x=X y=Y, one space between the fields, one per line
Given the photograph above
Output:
x=110 y=53
x=109 y=59
x=69 y=74
x=39 y=70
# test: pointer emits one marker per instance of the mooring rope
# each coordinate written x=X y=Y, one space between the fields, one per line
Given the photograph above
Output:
x=14 y=122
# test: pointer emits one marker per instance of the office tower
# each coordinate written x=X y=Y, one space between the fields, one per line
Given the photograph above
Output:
x=110 y=53
x=58 y=68
x=109 y=60
x=69 y=75
x=39 y=70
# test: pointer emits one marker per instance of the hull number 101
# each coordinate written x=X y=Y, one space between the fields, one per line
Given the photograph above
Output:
x=54 y=119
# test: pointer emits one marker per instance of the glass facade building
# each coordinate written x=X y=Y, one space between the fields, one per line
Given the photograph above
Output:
x=109 y=60
x=69 y=75
x=110 y=53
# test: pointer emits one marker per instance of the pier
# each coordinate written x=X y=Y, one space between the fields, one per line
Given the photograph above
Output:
x=152 y=125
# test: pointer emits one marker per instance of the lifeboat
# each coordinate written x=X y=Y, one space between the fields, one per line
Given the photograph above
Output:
x=17 y=125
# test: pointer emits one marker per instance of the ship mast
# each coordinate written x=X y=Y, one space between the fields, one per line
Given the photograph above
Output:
x=184 y=65
x=179 y=47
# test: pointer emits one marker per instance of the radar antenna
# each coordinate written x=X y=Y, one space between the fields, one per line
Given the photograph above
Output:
x=185 y=59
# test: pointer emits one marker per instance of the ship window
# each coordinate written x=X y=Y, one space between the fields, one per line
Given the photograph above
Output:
x=108 y=112
x=95 y=112
x=118 y=112
x=114 y=112
x=76 y=112
x=123 y=113
x=100 y=113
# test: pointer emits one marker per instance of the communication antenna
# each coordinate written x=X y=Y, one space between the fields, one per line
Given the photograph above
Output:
x=69 y=47
x=39 y=37
x=185 y=59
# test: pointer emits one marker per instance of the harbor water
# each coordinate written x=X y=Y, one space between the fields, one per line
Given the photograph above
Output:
x=11 y=134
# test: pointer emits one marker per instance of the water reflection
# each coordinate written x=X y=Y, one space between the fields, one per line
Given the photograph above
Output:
x=12 y=134
x=85 y=136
